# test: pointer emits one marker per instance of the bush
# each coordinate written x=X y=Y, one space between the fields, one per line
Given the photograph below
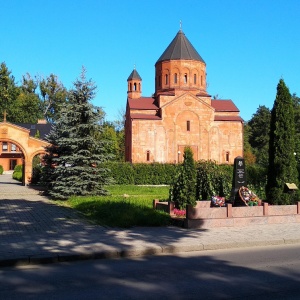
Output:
x=18 y=173
x=142 y=174
x=154 y=173
x=213 y=180
x=36 y=174
x=257 y=179
x=121 y=172
x=1 y=170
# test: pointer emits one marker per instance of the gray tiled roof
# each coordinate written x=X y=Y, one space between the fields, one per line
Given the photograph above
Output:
x=134 y=75
x=180 y=48
x=37 y=129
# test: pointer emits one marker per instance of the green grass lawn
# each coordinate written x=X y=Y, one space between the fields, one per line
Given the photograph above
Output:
x=126 y=206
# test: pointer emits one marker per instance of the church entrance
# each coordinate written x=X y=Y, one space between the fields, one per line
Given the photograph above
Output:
x=11 y=155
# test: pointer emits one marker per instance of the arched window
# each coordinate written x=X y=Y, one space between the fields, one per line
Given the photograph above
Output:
x=166 y=79
x=130 y=87
x=134 y=86
x=195 y=78
x=188 y=125
x=148 y=156
x=175 y=78
x=185 y=78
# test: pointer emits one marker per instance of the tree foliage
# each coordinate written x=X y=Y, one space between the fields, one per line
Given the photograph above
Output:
x=54 y=96
x=213 y=180
x=27 y=106
x=33 y=99
x=74 y=162
x=259 y=130
x=282 y=161
x=183 y=191
x=8 y=90
x=249 y=155
x=296 y=105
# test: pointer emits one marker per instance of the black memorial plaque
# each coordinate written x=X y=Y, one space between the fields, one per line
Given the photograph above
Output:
x=238 y=180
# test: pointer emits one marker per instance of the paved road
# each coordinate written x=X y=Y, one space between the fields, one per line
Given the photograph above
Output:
x=35 y=230
x=260 y=273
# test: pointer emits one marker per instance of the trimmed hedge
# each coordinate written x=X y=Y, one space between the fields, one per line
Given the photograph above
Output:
x=142 y=174
x=212 y=179
x=1 y=170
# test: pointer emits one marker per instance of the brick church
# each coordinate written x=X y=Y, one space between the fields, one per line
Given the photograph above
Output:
x=180 y=113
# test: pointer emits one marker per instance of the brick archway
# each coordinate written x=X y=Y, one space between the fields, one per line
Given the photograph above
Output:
x=17 y=144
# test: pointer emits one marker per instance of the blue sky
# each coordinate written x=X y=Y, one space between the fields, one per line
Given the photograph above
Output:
x=248 y=45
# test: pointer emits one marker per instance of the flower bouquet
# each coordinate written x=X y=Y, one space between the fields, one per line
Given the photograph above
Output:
x=179 y=212
x=217 y=201
x=248 y=197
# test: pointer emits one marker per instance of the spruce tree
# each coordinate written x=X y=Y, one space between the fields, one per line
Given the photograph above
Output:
x=282 y=162
x=74 y=159
x=183 y=191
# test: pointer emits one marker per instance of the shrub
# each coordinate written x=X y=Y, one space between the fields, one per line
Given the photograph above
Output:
x=36 y=174
x=121 y=172
x=18 y=173
x=213 y=179
x=257 y=179
x=141 y=173
x=1 y=170
x=155 y=173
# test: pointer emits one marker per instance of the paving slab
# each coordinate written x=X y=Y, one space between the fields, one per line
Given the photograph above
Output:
x=34 y=230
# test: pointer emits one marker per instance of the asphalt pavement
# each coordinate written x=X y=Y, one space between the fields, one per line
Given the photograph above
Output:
x=34 y=230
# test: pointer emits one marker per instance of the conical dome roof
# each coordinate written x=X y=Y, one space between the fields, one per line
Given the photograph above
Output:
x=134 y=75
x=180 y=48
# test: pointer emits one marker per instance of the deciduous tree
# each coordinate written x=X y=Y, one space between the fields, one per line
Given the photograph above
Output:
x=54 y=96
x=27 y=106
x=8 y=91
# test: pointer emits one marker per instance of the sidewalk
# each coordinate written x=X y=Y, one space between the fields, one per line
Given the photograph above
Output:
x=34 y=230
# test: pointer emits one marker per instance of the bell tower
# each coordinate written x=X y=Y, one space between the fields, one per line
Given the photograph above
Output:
x=134 y=89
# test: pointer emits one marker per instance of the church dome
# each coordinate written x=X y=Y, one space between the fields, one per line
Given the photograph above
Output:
x=180 y=49
x=180 y=68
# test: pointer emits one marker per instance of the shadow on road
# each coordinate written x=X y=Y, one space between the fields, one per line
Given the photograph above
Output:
x=165 y=277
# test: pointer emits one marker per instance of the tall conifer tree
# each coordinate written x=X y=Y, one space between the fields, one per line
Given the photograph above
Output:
x=183 y=191
x=75 y=156
x=282 y=161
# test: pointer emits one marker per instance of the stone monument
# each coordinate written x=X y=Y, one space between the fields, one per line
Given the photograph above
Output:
x=238 y=180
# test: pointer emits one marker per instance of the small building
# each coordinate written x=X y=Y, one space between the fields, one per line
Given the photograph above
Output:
x=20 y=143
x=180 y=113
